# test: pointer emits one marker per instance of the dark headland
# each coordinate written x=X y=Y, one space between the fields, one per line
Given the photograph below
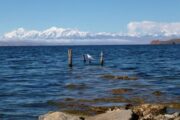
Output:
x=165 y=42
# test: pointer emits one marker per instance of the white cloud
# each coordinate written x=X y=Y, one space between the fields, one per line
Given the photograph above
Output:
x=138 y=33
x=150 y=28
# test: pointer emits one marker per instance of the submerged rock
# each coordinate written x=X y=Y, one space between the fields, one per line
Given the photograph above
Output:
x=120 y=91
x=137 y=100
x=109 y=76
x=157 y=93
x=87 y=106
x=92 y=110
x=76 y=86
x=117 y=99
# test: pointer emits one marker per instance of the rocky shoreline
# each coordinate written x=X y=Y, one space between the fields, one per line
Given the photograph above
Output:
x=132 y=108
x=129 y=112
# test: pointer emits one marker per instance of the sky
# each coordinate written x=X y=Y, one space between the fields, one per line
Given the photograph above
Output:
x=87 y=21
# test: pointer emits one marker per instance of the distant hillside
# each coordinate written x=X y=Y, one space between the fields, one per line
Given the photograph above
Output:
x=171 y=42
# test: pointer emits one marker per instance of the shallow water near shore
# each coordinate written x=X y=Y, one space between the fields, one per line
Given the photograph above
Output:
x=33 y=77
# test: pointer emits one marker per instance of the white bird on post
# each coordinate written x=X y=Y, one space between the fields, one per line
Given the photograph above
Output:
x=89 y=57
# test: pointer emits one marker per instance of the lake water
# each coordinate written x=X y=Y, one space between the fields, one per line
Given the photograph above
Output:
x=30 y=77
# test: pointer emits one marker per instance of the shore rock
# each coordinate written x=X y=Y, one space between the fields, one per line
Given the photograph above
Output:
x=174 y=116
x=114 y=115
x=109 y=115
x=149 y=109
x=58 y=116
x=154 y=112
x=140 y=112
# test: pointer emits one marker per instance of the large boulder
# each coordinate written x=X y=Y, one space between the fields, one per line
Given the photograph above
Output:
x=58 y=116
x=146 y=109
x=150 y=111
x=109 y=115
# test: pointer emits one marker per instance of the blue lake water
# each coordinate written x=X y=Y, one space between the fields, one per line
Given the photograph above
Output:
x=32 y=76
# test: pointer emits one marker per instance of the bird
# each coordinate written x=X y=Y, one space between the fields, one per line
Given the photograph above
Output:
x=88 y=57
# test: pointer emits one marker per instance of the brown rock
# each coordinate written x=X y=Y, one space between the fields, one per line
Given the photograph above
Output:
x=108 y=76
x=76 y=86
x=149 y=110
x=157 y=93
x=120 y=91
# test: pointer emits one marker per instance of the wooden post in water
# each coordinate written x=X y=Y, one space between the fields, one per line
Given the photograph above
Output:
x=84 y=58
x=70 y=57
x=101 y=59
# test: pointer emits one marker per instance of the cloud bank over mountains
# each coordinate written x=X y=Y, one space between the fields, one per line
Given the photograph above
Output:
x=137 y=33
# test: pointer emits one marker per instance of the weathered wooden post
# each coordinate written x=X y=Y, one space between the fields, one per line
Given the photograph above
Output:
x=70 y=57
x=84 y=58
x=101 y=59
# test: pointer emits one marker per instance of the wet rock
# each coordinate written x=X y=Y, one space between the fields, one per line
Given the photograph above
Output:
x=157 y=93
x=86 y=106
x=89 y=110
x=83 y=112
x=109 y=76
x=69 y=99
x=149 y=110
x=82 y=118
x=103 y=109
x=175 y=105
x=78 y=107
x=114 y=99
x=174 y=116
x=111 y=99
x=137 y=100
x=128 y=106
x=73 y=107
x=120 y=91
